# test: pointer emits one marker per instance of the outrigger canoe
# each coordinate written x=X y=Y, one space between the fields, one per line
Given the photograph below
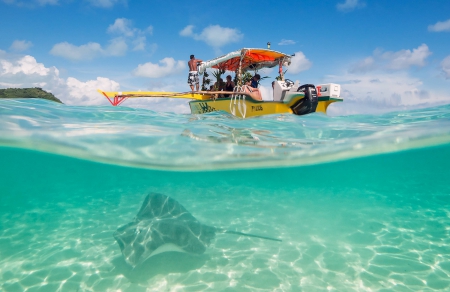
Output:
x=288 y=96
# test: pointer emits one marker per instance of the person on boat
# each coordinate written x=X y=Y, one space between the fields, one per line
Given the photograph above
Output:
x=219 y=85
x=193 y=73
x=255 y=81
x=251 y=88
x=229 y=85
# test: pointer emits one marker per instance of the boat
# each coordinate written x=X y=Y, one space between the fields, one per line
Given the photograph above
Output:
x=288 y=96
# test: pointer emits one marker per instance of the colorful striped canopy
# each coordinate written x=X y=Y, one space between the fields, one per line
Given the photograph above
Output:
x=251 y=59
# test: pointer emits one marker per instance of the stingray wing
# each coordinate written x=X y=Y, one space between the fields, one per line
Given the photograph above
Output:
x=162 y=207
x=162 y=221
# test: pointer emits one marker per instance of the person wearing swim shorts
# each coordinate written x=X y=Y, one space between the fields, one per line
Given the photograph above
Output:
x=193 y=73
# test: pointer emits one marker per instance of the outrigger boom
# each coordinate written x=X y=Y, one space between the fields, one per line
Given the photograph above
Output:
x=116 y=98
x=288 y=96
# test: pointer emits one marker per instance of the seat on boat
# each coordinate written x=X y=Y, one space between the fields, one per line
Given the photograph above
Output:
x=280 y=89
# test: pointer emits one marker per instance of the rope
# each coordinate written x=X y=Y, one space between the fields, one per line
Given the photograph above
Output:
x=238 y=100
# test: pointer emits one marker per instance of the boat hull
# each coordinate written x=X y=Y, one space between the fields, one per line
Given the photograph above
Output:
x=245 y=108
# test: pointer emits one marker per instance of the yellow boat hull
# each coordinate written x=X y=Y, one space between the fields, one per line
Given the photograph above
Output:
x=251 y=108
x=204 y=102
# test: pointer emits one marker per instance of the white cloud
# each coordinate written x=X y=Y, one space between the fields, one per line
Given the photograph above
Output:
x=440 y=26
x=85 y=93
x=187 y=31
x=127 y=34
x=446 y=67
x=116 y=47
x=299 y=63
x=50 y=2
x=214 y=35
x=166 y=66
x=350 y=5
x=382 y=92
x=365 y=65
x=399 y=60
x=139 y=44
x=286 y=42
x=122 y=26
x=107 y=3
x=31 y=3
x=26 y=65
x=406 y=58
x=25 y=71
x=20 y=46
x=76 y=53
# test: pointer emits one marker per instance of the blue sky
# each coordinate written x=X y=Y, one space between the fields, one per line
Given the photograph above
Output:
x=387 y=55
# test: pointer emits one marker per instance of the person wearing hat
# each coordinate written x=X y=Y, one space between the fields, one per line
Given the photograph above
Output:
x=193 y=73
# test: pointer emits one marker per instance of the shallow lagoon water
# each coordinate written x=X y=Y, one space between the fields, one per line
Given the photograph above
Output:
x=373 y=215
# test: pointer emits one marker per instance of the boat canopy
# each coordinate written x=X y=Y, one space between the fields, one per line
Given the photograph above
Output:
x=252 y=59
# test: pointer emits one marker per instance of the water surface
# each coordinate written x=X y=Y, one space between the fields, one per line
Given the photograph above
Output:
x=360 y=202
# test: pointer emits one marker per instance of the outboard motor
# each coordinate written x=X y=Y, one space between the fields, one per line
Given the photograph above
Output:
x=308 y=104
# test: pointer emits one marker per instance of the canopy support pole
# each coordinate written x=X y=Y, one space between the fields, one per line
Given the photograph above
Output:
x=239 y=73
x=280 y=69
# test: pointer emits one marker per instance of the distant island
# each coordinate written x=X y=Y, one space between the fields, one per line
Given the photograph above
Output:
x=27 y=93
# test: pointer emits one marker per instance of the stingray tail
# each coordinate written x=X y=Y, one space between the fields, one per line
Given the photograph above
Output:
x=250 y=235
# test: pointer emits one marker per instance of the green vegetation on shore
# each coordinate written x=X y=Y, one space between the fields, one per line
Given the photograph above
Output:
x=27 y=93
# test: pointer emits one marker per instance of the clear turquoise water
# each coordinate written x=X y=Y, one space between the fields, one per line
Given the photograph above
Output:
x=362 y=203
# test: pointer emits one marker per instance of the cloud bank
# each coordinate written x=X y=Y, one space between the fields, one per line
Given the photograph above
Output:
x=382 y=92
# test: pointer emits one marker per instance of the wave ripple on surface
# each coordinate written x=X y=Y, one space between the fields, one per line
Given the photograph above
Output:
x=143 y=138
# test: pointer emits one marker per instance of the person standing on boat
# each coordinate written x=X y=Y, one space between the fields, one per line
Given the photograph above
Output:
x=193 y=73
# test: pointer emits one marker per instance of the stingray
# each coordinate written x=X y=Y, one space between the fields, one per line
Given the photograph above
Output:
x=162 y=224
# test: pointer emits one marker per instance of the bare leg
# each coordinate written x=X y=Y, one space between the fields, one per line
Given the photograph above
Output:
x=192 y=87
x=253 y=92
x=257 y=94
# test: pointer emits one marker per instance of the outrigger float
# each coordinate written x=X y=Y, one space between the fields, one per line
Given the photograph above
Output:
x=288 y=96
